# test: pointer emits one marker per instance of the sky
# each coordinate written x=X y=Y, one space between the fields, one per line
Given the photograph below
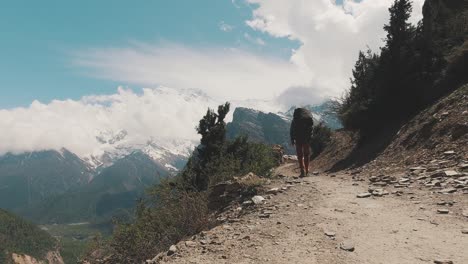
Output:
x=72 y=69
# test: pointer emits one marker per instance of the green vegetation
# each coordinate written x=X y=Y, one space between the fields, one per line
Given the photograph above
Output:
x=321 y=136
x=21 y=237
x=76 y=239
x=178 y=208
x=389 y=87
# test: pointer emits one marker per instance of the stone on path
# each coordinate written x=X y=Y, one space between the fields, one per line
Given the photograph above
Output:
x=440 y=261
x=448 y=190
x=451 y=173
x=347 y=245
x=190 y=244
x=465 y=231
x=257 y=199
x=273 y=191
x=330 y=233
x=364 y=195
x=172 y=250
x=465 y=213
x=443 y=211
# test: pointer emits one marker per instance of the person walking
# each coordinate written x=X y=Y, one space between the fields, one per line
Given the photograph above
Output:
x=301 y=133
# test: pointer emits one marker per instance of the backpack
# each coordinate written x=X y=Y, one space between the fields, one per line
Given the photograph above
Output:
x=302 y=125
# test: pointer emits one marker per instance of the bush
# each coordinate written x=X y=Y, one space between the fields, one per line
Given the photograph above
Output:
x=321 y=136
x=170 y=214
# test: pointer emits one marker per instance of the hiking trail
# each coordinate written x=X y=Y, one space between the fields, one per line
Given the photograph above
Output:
x=319 y=219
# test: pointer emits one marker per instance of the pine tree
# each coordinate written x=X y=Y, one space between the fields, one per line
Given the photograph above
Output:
x=212 y=128
x=396 y=62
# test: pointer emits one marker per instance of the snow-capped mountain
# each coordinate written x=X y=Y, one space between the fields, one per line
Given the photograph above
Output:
x=170 y=153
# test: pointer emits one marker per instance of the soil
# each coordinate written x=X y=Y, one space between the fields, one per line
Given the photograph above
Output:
x=317 y=216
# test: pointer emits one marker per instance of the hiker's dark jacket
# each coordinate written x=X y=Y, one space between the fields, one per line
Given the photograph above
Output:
x=301 y=126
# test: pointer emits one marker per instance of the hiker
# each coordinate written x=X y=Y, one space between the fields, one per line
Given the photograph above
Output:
x=301 y=132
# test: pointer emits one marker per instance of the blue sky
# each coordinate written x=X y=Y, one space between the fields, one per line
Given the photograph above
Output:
x=100 y=54
x=38 y=38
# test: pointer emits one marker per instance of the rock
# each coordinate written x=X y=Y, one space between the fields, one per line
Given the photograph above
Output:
x=347 y=245
x=315 y=173
x=258 y=199
x=417 y=168
x=374 y=179
x=463 y=166
x=247 y=203
x=465 y=231
x=448 y=190
x=364 y=195
x=382 y=184
x=273 y=191
x=190 y=244
x=465 y=213
x=450 y=152
x=438 y=174
x=451 y=173
x=330 y=233
x=172 y=250
x=443 y=211
x=443 y=261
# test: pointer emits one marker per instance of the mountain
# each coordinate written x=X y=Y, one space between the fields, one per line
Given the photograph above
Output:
x=30 y=177
x=271 y=128
x=171 y=153
x=113 y=192
x=259 y=127
x=21 y=241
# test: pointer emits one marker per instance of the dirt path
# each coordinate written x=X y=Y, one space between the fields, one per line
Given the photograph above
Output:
x=389 y=229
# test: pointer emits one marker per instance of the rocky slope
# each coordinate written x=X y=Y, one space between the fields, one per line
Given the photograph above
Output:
x=323 y=219
x=260 y=127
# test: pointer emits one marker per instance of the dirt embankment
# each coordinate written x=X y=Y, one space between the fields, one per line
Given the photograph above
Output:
x=320 y=219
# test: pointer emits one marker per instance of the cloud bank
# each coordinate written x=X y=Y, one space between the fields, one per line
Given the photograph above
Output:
x=161 y=113
x=229 y=74
x=331 y=36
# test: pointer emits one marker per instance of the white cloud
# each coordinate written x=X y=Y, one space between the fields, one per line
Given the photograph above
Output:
x=331 y=35
x=225 y=27
x=161 y=113
x=229 y=74
x=255 y=40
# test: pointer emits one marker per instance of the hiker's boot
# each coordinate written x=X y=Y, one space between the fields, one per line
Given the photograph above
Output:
x=302 y=174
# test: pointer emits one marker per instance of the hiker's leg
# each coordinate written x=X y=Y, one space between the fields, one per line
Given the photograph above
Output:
x=300 y=156
x=306 y=152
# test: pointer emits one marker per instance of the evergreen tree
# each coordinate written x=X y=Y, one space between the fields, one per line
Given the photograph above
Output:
x=212 y=128
x=396 y=62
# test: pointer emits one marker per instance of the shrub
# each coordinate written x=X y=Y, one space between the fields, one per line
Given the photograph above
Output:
x=321 y=136
x=170 y=214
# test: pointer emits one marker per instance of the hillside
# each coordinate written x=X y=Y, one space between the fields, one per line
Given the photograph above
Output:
x=260 y=127
x=22 y=241
x=113 y=192
x=401 y=201
x=28 y=178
